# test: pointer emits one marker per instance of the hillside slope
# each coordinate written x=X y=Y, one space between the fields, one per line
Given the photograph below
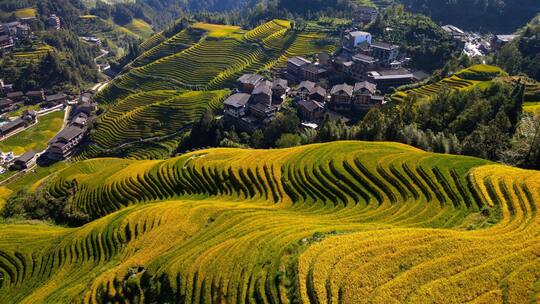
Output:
x=347 y=222
x=476 y=76
x=208 y=56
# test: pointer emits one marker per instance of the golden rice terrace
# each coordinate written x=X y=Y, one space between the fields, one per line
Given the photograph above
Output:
x=344 y=222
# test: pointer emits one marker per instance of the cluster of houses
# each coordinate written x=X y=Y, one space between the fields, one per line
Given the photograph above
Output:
x=11 y=100
x=64 y=144
x=12 y=33
x=257 y=100
x=360 y=59
x=370 y=67
x=364 y=59
x=27 y=118
x=474 y=44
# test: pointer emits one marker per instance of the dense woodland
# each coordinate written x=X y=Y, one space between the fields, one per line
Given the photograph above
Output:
x=523 y=54
x=486 y=15
x=67 y=67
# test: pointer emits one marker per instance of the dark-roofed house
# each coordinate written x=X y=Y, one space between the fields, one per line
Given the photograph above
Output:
x=263 y=92
x=385 y=52
x=248 y=82
x=64 y=143
x=36 y=96
x=362 y=93
x=294 y=67
x=84 y=107
x=12 y=126
x=80 y=120
x=318 y=93
x=279 y=89
x=56 y=99
x=6 y=43
x=313 y=72
x=310 y=110
x=366 y=96
x=341 y=97
x=25 y=161
x=29 y=116
x=310 y=90
x=361 y=65
x=390 y=78
x=304 y=88
x=15 y=96
x=85 y=98
x=263 y=112
x=235 y=105
x=5 y=103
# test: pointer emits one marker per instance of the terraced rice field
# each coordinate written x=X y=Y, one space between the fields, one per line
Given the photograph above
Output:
x=344 y=222
x=36 y=54
x=152 y=114
x=475 y=76
x=209 y=56
x=181 y=41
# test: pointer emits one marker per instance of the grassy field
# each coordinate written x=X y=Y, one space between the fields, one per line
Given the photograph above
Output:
x=343 y=222
x=477 y=76
x=36 y=137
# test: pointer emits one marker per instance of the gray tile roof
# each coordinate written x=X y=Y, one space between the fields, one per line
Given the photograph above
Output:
x=237 y=100
x=298 y=61
x=342 y=87
x=370 y=87
x=250 y=79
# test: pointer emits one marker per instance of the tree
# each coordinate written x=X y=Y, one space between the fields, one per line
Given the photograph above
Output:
x=490 y=141
x=201 y=133
x=257 y=139
x=282 y=123
x=509 y=58
x=373 y=126
x=288 y=140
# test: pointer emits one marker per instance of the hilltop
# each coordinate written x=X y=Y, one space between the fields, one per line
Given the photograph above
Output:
x=344 y=221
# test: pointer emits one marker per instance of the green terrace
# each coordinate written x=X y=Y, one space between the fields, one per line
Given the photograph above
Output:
x=214 y=58
x=479 y=76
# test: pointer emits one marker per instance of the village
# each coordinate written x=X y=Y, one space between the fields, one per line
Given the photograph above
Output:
x=371 y=69
x=18 y=34
x=21 y=111
x=340 y=87
x=33 y=105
